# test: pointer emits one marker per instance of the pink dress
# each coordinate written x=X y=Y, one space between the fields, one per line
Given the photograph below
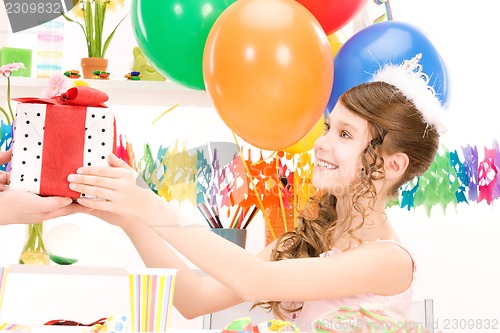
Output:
x=313 y=310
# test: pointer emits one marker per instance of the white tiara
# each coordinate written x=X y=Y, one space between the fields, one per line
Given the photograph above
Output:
x=414 y=84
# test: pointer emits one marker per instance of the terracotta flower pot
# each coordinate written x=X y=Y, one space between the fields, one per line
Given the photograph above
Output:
x=90 y=65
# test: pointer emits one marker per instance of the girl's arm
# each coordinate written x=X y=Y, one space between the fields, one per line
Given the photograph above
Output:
x=380 y=268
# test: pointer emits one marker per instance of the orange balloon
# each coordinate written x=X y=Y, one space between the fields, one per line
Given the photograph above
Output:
x=268 y=69
x=307 y=142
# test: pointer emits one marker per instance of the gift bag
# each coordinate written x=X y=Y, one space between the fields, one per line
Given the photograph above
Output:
x=52 y=138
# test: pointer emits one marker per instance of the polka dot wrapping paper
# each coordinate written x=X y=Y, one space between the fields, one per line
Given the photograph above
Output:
x=52 y=140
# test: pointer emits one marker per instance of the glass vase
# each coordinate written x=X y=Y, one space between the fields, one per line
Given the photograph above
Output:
x=34 y=252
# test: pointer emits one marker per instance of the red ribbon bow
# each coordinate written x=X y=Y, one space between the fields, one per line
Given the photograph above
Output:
x=78 y=96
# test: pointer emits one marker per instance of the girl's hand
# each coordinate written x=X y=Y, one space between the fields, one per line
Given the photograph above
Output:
x=118 y=189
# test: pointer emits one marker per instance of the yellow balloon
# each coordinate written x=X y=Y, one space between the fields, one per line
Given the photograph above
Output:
x=307 y=142
x=336 y=41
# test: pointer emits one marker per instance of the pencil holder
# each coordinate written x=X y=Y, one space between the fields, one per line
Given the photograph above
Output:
x=235 y=235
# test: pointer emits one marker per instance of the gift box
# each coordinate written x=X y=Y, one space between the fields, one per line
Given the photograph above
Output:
x=52 y=138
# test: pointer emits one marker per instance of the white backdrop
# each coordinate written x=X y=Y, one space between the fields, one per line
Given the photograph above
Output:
x=457 y=251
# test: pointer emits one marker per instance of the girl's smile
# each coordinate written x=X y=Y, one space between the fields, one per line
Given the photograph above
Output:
x=320 y=164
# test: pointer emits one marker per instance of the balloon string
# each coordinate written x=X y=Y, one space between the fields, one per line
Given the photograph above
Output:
x=165 y=112
x=280 y=195
x=270 y=156
x=295 y=195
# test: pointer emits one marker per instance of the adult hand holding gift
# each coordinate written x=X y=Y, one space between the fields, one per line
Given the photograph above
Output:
x=22 y=207
x=25 y=207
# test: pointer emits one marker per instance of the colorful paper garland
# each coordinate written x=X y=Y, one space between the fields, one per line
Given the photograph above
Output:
x=456 y=176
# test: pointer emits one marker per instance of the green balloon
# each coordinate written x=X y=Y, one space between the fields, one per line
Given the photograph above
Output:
x=172 y=34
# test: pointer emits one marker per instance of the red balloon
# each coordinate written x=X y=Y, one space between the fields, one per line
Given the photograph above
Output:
x=333 y=14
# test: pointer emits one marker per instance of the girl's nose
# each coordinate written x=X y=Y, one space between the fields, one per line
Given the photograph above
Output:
x=321 y=143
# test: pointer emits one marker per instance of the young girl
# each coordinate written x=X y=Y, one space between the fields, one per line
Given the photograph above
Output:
x=343 y=251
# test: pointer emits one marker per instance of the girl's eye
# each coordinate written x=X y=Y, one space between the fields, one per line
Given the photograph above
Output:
x=345 y=135
x=326 y=128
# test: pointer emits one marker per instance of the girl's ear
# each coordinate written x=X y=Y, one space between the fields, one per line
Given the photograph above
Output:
x=395 y=165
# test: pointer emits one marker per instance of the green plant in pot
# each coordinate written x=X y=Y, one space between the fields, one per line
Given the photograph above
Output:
x=90 y=15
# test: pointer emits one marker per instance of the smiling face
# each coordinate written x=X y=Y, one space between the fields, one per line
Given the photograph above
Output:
x=338 y=152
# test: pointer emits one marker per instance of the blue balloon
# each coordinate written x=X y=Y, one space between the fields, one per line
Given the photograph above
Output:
x=381 y=43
